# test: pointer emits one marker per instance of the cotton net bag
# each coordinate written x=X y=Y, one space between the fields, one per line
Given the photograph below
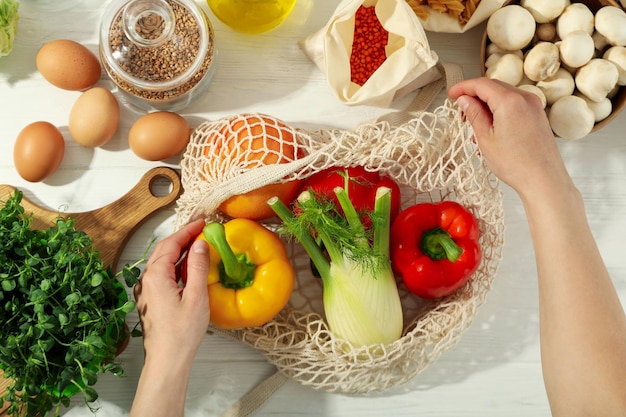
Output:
x=433 y=157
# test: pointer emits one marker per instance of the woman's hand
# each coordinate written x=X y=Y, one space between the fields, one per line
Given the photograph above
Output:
x=174 y=321
x=582 y=323
x=170 y=314
x=513 y=134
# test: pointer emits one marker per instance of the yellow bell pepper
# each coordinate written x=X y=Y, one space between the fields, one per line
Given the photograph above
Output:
x=250 y=276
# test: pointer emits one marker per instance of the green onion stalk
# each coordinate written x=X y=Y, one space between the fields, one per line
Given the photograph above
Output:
x=361 y=300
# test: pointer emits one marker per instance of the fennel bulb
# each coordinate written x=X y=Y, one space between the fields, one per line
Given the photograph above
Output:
x=361 y=299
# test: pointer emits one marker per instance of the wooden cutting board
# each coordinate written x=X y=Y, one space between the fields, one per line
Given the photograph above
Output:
x=111 y=226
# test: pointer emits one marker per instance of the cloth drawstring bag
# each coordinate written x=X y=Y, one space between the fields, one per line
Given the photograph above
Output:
x=410 y=63
x=453 y=16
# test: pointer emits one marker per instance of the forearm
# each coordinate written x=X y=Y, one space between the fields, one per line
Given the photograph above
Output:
x=583 y=326
x=161 y=390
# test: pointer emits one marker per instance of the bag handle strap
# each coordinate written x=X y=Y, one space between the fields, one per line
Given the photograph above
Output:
x=450 y=75
x=254 y=399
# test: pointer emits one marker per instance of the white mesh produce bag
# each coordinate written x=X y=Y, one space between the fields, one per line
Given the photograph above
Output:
x=433 y=157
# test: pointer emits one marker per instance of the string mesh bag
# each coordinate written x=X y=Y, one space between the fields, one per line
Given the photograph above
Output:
x=433 y=156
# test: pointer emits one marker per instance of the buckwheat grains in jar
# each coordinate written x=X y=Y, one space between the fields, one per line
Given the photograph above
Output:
x=159 y=52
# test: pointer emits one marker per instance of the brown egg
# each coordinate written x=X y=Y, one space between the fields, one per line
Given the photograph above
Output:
x=68 y=65
x=38 y=151
x=94 y=117
x=159 y=135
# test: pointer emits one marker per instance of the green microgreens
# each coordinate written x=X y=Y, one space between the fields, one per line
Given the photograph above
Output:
x=63 y=312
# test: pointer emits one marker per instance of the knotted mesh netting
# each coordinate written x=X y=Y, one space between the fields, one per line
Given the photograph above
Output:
x=432 y=156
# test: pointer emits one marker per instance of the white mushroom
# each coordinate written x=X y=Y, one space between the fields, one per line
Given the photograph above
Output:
x=546 y=32
x=617 y=56
x=596 y=79
x=511 y=27
x=526 y=81
x=508 y=69
x=571 y=118
x=577 y=48
x=569 y=69
x=492 y=48
x=560 y=85
x=599 y=41
x=611 y=23
x=542 y=61
x=536 y=91
x=492 y=59
x=601 y=110
x=576 y=16
x=544 y=11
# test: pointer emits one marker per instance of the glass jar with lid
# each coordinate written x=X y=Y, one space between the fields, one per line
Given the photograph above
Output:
x=158 y=52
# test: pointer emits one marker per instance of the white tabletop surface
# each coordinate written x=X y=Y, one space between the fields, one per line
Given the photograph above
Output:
x=495 y=368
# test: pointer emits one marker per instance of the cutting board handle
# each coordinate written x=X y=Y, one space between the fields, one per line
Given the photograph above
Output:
x=111 y=226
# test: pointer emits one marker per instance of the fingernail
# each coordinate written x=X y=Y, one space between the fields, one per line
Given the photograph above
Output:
x=200 y=246
x=463 y=103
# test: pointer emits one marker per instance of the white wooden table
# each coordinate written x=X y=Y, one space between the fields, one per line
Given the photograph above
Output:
x=494 y=370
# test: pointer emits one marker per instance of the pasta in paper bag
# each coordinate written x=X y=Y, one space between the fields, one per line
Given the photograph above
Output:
x=410 y=63
x=453 y=16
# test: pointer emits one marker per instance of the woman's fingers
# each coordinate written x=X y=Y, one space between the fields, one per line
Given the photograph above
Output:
x=477 y=114
x=197 y=270
x=169 y=249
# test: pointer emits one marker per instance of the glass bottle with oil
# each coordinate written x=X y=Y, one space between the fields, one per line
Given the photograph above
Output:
x=251 y=16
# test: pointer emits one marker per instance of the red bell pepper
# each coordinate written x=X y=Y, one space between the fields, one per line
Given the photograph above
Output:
x=361 y=186
x=434 y=248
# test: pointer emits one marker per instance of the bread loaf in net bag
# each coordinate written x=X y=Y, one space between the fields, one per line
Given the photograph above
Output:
x=432 y=156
